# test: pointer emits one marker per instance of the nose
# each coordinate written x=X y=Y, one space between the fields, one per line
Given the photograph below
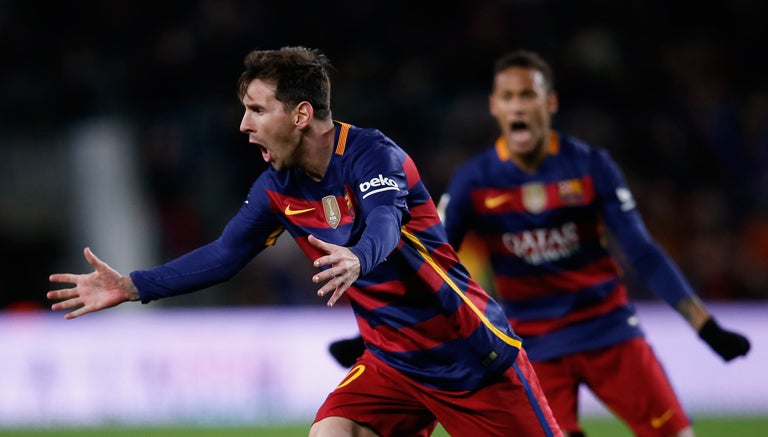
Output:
x=516 y=103
x=245 y=125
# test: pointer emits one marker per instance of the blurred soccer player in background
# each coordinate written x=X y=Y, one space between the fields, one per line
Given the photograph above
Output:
x=542 y=202
x=440 y=349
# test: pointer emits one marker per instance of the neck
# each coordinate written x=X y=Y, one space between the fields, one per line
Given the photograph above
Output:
x=529 y=162
x=318 y=146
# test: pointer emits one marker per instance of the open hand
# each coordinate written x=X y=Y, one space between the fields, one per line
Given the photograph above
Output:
x=103 y=288
x=344 y=269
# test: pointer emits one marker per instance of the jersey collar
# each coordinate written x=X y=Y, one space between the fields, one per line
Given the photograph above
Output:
x=503 y=152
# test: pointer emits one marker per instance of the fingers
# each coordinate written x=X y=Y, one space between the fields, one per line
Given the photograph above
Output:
x=92 y=259
x=332 y=260
x=325 y=274
x=315 y=241
x=327 y=287
x=320 y=244
x=337 y=275
x=66 y=278
x=64 y=293
x=71 y=299
x=76 y=313
x=67 y=304
x=338 y=285
x=335 y=297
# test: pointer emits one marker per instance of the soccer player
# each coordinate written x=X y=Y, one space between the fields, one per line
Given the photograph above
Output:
x=439 y=348
x=541 y=201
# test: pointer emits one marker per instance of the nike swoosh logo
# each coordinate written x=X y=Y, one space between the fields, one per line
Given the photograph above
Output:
x=289 y=211
x=658 y=422
x=496 y=201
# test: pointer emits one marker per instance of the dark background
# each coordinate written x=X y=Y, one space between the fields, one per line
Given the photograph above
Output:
x=676 y=91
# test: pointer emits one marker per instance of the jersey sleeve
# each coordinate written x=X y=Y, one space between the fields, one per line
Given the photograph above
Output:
x=643 y=254
x=253 y=228
x=455 y=207
x=381 y=189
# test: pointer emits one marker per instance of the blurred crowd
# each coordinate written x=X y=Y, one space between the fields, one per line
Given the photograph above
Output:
x=676 y=91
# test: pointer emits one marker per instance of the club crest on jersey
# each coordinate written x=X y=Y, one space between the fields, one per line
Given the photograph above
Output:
x=534 y=197
x=350 y=204
x=332 y=211
x=571 y=192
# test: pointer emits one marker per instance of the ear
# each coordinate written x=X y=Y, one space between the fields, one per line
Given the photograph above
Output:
x=552 y=102
x=303 y=115
x=491 y=104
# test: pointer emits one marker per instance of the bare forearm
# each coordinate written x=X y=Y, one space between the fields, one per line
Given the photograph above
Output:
x=694 y=312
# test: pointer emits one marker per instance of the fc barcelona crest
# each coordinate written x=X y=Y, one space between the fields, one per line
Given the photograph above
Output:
x=332 y=211
x=571 y=192
x=534 y=197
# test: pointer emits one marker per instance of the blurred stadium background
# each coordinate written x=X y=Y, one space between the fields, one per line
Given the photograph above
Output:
x=119 y=130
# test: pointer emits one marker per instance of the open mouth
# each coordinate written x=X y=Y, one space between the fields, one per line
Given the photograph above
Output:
x=264 y=153
x=518 y=125
x=520 y=133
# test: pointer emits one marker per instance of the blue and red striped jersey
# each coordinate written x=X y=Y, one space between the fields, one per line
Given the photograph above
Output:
x=545 y=236
x=416 y=306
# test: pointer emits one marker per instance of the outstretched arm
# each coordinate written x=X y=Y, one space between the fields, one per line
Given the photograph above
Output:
x=100 y=289
x=652 y=264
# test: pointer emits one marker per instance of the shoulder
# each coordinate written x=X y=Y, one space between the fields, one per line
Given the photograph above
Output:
x=370 y=137
x=485 y=159
x=368 y=143
x=477 y=169
x=573 y=147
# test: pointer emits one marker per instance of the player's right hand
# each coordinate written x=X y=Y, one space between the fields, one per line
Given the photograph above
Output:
x=103 y=288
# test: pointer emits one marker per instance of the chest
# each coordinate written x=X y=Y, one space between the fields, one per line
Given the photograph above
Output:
x=327 y=210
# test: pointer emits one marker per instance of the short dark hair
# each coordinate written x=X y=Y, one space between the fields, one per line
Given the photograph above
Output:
x=301 y=74
x=526 y=59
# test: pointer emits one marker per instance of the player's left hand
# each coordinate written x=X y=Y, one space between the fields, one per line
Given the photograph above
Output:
x=727 y=344
x=343 y=271
x=347 y=351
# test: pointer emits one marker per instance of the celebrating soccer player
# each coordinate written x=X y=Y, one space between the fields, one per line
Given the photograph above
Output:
x=439 y=348
x=540 y=201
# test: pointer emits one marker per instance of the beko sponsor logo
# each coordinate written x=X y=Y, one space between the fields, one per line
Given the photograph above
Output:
x=377 y=185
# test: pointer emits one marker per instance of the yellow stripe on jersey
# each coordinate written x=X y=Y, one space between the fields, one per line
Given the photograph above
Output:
x=342 y=144
x=428 y=258
x=273 y=236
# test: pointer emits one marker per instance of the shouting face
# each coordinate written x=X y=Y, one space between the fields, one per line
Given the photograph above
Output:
x=270 y=126
x=523 y=108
